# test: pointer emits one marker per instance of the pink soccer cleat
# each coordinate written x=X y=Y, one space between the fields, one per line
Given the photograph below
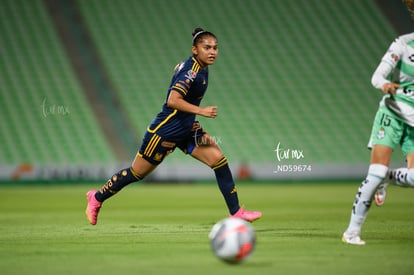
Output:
x=93 y=207
x=246 y=215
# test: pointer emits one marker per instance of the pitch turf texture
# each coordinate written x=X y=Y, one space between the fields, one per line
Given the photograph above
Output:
x=162 y=229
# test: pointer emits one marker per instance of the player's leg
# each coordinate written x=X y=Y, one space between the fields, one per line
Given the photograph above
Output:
x=151 y=153
x=386 y=134
x=208 y=152
x=377 y=171
x=403 y=177
x=136 y=172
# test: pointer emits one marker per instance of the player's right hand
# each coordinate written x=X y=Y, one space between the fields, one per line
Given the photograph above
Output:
x=209 y=111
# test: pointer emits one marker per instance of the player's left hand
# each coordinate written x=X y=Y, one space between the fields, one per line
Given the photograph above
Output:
x=390 y=88
x=196 y=126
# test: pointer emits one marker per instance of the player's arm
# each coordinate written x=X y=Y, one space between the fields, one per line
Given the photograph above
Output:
x=176 y=101
x=380 y=78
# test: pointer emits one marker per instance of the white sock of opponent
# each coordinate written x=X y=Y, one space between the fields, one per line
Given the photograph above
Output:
x=363 y=199
x=402 y=177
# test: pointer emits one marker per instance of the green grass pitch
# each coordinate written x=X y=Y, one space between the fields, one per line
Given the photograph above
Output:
x=163 y=229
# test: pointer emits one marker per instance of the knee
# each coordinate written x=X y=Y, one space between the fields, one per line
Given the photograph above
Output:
x=142 y=167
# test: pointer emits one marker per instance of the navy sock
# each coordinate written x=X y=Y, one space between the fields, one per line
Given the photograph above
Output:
x=226 y=184
x=116 y=183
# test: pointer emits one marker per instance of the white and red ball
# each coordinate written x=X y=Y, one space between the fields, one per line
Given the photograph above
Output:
x=232 y=240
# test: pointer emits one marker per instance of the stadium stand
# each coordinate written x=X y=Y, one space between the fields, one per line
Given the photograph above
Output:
x=293 y=74
x=45 y=118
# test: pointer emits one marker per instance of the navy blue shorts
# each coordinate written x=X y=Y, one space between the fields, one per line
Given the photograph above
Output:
x=155 y=148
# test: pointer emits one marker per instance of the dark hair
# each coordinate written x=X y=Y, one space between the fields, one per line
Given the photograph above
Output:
x=199 y=33
x=410 y=6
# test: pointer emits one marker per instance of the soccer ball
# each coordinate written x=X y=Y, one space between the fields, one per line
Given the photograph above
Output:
x=232 y=240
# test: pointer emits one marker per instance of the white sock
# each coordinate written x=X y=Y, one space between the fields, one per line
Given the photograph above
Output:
x=403 y=177
x=363 y=199
x=410 y=177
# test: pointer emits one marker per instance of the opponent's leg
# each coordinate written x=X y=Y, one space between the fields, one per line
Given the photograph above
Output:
x=362 y=203
x=403 y=177
x=386 y=133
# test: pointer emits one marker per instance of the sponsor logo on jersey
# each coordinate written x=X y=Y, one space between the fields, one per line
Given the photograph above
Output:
x=158 y=156
x=191 y=74
x=394 y=57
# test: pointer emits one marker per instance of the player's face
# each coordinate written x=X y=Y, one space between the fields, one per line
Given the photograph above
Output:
x=206 y=50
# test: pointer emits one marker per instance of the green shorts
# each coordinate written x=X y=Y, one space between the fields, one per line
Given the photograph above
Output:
x=390 y=131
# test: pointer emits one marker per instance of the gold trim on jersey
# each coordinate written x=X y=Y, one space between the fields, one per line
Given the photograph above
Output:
x=162 y=122
x=152 y=144
x=175 y=87
x=196 y=66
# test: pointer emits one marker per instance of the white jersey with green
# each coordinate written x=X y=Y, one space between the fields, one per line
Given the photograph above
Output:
x=397 y=66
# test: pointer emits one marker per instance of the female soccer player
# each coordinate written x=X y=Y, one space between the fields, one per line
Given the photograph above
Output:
x=393 y=125
x=403 y=177
x=175 y=126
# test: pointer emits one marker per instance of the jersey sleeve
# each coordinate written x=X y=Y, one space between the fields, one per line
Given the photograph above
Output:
x=388 y=63
x=184 y=77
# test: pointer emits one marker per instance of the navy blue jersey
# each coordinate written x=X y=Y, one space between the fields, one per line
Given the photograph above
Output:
x=191 y=81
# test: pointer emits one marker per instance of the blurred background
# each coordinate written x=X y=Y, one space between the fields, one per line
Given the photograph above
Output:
x=81 y=80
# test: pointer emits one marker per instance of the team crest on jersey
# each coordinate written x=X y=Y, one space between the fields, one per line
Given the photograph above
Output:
x=381 y=133
x=191 y=74
x=158 y=156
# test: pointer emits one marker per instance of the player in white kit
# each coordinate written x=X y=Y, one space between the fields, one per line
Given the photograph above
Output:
x=393 y=126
